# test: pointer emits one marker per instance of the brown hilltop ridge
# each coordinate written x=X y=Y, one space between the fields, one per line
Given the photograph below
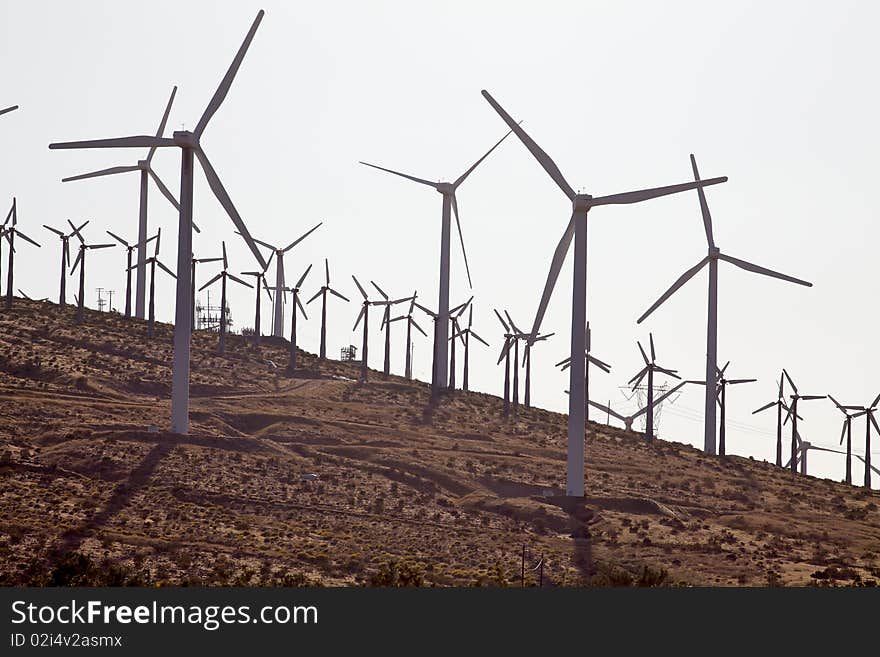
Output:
x=406 y=492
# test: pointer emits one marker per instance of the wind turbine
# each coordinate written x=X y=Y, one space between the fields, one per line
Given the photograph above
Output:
x=509 y=339
x=410 y=322
x=846 y=431
x=80 y=262
x=780 y=405
x=649 y=369
x=323 y=294
x=800 y=458
x=261 y=284
x=868 y=412
x=152 y=262
x=721 y=393
x=10 y=234
x=712 y=258
x=589 y=359
x=65 y=257
x=146 y=171
x=193 y=262
x=527 y=364
x=577 y=231
x=222 y=277
x=190 y=147
x=440 y=379
x=278 y=319
x=466 y=336
x=629 y=419
x=130 y=248
x=795 y=437
x=364 y=314
x=453 y=319
x=386 y=323
x=294 y=291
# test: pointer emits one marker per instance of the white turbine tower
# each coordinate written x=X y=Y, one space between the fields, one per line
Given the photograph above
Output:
x=190 y=148
x=278 y=316
x=577 y=230
x=440 y=373
x=712 y=258
x=146 y=172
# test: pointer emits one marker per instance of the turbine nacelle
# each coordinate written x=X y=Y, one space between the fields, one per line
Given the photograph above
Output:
x=185 y=139
x=581 y=202
x=143 y=165
x=714 y=252
x=445 y=188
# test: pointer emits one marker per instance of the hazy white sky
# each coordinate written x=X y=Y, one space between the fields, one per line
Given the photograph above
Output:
x=778 y=96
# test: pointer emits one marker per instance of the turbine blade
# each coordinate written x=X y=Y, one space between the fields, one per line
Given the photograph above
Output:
x=555 y=267
x=765 y=407
x=500 y=319
x=790 y=382
x=606 y=409
x=403 y=175
x=137 y=141
x=103 y=172
x=380 y=290
x=542 y=157
x=332 y=291
x=359 y=317
x=651 y=341
x=168 y=271
x=54 y=230
x=162 y=188
x=668 y=392
x=223 y=89
x=477 y=337
x=5 y=110
x=327 y=271
x=508 y=343
x=654 y=192
x=216 y=278
x=735 y=381
x=704 y=206
x=18 y=233
x=684 y=278
x=226 y=202
x=162 y=123
x=363 y=293
x=116 y=237
x=426 y=311
x=297 y=241
x=76 y=261
x=464 y=176
x=239 y=281
x=416 y=324
x=644 y=355
x=461 y=239
x=748 y=266
x=303 y=277
x=843 y=430
x=300 y=306
x=225 y=261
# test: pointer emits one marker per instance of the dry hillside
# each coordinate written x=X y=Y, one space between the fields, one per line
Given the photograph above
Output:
x=407 y=491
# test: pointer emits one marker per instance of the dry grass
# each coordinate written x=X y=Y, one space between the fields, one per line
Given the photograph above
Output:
x=408 y=491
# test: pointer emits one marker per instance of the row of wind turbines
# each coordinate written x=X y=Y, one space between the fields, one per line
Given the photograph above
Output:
x=443 y=367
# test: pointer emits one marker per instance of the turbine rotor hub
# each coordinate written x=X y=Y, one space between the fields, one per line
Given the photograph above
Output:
x=445 y=188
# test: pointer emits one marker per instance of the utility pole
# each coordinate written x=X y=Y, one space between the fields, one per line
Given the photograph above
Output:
x=101 y=301
x=110 y=303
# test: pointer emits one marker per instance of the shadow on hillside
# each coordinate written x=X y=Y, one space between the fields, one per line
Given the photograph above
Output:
x=122 y=495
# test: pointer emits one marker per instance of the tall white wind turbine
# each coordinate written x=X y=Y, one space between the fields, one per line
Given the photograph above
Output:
x=711 y=259
x=440 y=373
x=577 y=231
x=190 y=148
x=278 y=315
x=146 y=172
